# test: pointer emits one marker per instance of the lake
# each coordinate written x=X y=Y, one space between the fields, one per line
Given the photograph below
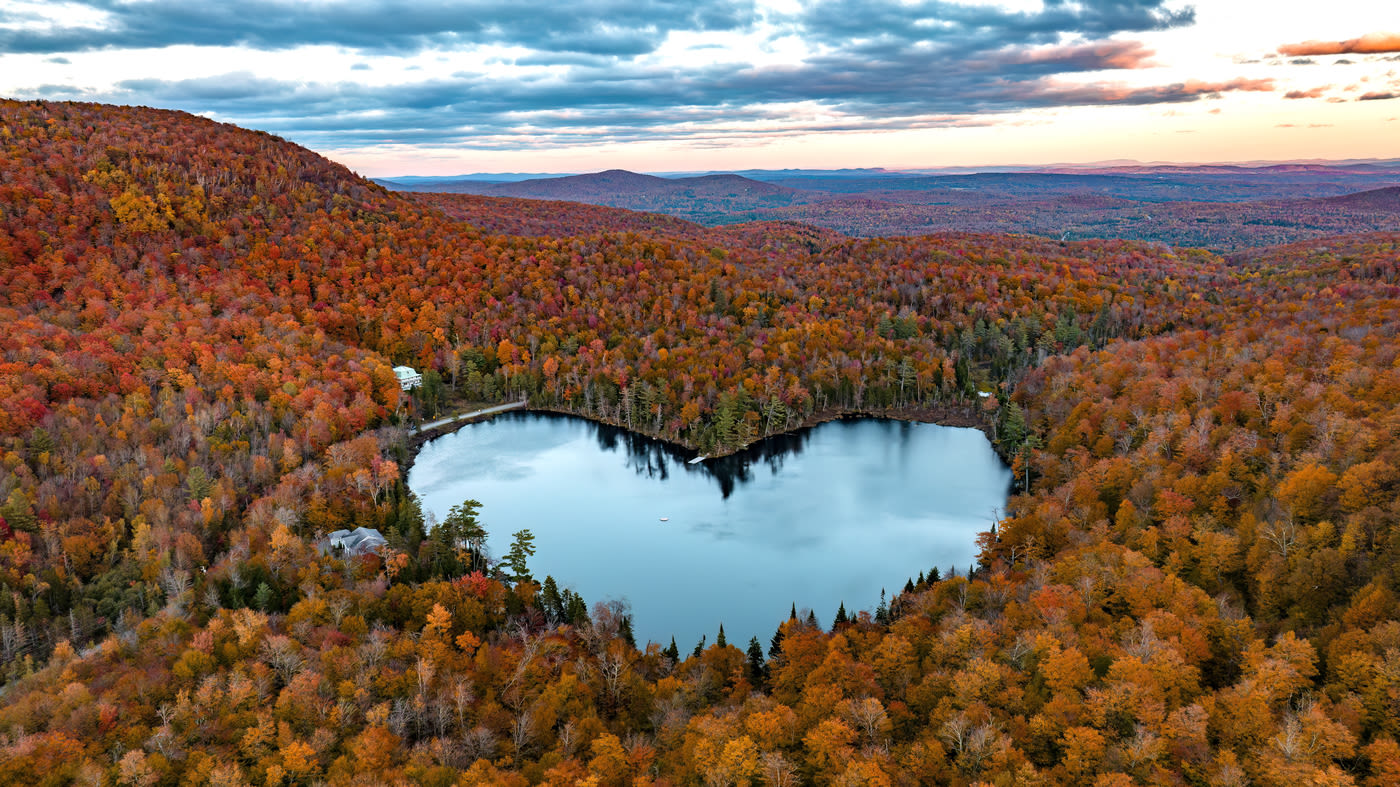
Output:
x=825 y=515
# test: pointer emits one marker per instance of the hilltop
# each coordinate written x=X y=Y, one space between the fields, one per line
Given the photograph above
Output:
x=1386 y=199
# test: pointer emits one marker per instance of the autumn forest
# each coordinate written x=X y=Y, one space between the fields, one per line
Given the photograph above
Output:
x=1195 y=581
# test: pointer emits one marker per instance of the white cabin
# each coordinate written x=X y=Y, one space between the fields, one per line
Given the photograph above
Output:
x=408 y=377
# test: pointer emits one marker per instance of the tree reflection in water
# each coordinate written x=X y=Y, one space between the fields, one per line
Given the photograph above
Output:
x=653 y=458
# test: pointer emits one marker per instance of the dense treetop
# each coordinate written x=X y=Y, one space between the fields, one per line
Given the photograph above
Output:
x=1195 y=584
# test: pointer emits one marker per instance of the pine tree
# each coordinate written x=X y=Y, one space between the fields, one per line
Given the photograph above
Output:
x=673 y=652
x=700 y=646
x=775 y=645
x=577 y=609
x=458 y=529
x=758 y=670
x=551 y=601
x=720 y=641
x=1013 y=426
x=262 y=597
x=841 y=617
x=521 y=549
x=882 y=612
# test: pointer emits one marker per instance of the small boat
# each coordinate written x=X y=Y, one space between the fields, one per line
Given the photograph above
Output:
x=665 y=519
x=697 y=460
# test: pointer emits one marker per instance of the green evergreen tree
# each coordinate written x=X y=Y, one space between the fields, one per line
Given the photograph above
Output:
x=1013 y=426
x=841 y=617
x=198 y=484
x=885 y=327
x=18 y=512
x=700 y=646
x=758 y=670
x=459 y=529
x=775 y=645
x=550 y=600
x=673 y=652
x=40 y=442
x=429 y=393
x=720 y=641
x=577 y=609
x=262 y=597
x=624 y=630
x=522 y=547
x=404 y=527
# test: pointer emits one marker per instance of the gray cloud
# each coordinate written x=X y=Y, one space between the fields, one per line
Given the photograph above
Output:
x=883 y=64
x=611 y=27
x=882 y=22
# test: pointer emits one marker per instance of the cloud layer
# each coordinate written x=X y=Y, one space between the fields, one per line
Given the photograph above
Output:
x=598 y=27
x=593 y=71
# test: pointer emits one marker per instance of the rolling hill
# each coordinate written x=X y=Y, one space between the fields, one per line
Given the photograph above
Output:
x=1386 y=200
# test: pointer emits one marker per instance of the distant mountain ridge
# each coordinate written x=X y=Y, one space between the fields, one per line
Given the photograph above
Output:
x=621 y=184
x=1102 y=167
x=1221 y=207
x=706 y=198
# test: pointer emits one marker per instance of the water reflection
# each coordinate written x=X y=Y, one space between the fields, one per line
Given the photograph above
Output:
x=652 y=458
x=647 y=457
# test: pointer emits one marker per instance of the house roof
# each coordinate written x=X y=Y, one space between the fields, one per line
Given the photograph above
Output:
x=357 y=541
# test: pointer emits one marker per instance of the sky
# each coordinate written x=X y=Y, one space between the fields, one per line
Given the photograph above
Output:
x=435 y=87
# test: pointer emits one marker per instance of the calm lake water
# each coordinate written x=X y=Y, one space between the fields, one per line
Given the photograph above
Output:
x=823 y=516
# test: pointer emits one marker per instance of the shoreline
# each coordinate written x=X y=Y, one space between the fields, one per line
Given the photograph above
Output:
x=958 y=416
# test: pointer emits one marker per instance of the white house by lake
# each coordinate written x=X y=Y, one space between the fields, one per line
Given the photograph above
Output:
x=409 y=378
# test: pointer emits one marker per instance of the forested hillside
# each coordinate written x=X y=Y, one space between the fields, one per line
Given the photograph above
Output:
x=1196 y=584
